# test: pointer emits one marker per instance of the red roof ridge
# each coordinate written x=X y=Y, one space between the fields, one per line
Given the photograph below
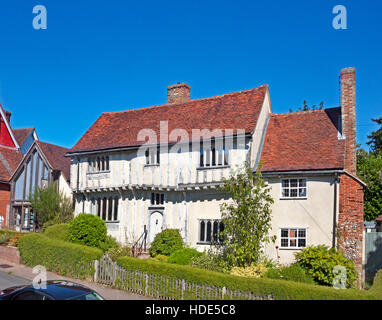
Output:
x=191 y=101
x=273 y=114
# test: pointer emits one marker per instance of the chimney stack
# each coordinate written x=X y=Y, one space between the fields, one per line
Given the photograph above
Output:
x=348 y=117
x=178 y=93
x=8 y=116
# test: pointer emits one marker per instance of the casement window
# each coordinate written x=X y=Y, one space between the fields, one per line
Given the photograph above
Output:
x=293 y=188
x=106 y=208
x=213 y=154
x=157 y=199
x=293 y=238
x=210 y=231
x=98 y=164
x=153 y=156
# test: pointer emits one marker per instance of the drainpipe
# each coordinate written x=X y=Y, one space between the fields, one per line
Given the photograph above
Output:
x=335 y=211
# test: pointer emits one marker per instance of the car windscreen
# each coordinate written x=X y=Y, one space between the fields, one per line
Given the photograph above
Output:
x=88 y=296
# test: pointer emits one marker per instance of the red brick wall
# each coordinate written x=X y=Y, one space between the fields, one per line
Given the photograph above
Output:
x=10 y=254
x=350 y=220
x=348 y=105
x=5 y=198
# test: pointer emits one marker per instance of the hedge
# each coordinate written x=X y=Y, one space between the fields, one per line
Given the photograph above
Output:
x=57 y=231
x=14 y=236
x=67 y=259
x=278 y=289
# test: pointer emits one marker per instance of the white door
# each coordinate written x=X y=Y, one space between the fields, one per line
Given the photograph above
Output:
x=156 y=222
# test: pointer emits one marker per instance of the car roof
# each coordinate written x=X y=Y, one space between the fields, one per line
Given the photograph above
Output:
x=60 y=289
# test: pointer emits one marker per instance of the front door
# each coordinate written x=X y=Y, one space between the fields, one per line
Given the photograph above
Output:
x=156 y=223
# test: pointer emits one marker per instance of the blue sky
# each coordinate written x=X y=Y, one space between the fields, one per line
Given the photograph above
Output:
x=98 y=56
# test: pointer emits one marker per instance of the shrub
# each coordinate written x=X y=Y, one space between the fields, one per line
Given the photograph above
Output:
x=210 y=262
x=58 y=256
x=294 y=272
x=166 y=242
x=254 y=271
x=183 y=256
x=87 y=229
x=12 y=236
x=4 y=238
x=319 y=261
x=121 y=251
x=159 y=258
x=262 y=287
x=109 y=243
x=57 y=231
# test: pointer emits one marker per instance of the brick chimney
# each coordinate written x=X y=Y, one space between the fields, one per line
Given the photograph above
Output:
x=8 y=116
x=348 y=113
x=178 y=93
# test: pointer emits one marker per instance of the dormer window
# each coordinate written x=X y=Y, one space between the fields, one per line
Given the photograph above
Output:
x=99 y=164
x=213 y=154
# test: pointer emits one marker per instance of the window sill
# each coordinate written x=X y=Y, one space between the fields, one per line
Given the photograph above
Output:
x=213 y=167
x=208 y=244
x=97 y=172
x=112 y=222
x=289 y=249
x=295 y=198
x=152 y=165
x=156 y=207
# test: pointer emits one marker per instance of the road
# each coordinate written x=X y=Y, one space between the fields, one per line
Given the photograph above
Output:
x=7 y=280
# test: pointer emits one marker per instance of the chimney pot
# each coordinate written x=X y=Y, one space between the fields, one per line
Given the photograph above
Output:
x=178 y=93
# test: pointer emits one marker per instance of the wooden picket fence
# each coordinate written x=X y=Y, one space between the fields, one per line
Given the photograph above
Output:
x=163 y=287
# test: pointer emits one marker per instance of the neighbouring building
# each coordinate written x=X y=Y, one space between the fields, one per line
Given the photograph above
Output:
x=26 y=162
x=308 y=158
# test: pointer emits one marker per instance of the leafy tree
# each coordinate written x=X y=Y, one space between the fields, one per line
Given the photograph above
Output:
x=369 y=169
x=375 y=139
x=247 y=218
x=50 y=205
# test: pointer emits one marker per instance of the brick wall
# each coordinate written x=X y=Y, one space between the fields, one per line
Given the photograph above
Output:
x=350 y=220
x=10 y=254
x=5 y=198
x=178 y=93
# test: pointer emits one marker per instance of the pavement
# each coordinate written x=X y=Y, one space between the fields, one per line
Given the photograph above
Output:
x=12 y=274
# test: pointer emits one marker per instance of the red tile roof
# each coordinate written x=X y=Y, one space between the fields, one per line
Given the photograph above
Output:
x=22 y=134
x=56 y=157
x=9 y=161
x=306 y=140
x=238 y=110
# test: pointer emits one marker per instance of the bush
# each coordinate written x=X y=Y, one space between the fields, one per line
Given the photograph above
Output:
x=159 y=258
x=183 y=256
x=67 y=259
x=110 y=243
x=116 y=253
x=57 y=231
x=254 y=271
x=293 y=272
x=278 y=289
x=166 y=242
x=319 y=261
x=87 y=229
x=4 y=238
x=210 y=262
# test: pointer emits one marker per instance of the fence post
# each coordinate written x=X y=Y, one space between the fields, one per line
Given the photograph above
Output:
x=147 y=284
x=96 y=265
x=223 y=292
x=183 y=288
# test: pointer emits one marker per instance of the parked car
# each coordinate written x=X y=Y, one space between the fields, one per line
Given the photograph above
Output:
x=55 y=290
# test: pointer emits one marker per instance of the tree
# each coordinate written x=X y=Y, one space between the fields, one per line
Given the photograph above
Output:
x=369 y=169
x=50 y=205
x=375 y=139
x=306 y=107
x=247 y=218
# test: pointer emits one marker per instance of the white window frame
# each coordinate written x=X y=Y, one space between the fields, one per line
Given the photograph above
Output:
x=297 y=238
x=94 y=208
x=152 y=156
x=290 y=188
x=207 y=152
x=161 y=199
x=104 y=162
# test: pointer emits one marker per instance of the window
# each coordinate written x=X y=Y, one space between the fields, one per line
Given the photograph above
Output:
x=106 y=208
x=293 y=188
x=98 y=164
x=293 y=238
x=157 y=199
x=213 y=154
x=152 y=156
x=210 y=231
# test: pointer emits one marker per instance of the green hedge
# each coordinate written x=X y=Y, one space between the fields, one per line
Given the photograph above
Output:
x=67 y=259
x=57 y=231
x=278 y=289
